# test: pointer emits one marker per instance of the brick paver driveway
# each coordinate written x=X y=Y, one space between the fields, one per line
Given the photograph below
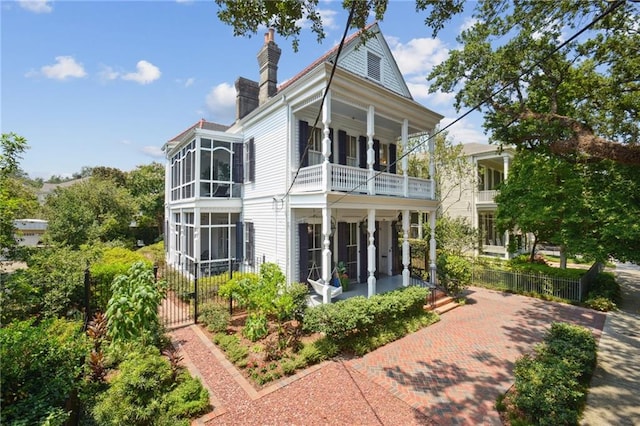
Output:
x=453 y=371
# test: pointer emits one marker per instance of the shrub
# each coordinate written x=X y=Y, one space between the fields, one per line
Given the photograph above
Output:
x=604 y=294
x=358 y=315
x=454 y=272
x=550 y=386
x=40 y=369
x=113 y=262
x=143 y=393
x=214 y=316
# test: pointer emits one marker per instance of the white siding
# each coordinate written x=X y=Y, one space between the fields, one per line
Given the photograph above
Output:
x=356 y=62
x=270 y=135
x=269 y=222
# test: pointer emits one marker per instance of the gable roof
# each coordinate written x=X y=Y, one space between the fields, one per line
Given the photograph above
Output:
x=352 y=48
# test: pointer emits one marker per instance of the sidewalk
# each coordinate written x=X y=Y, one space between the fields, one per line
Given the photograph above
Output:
x=614 y=396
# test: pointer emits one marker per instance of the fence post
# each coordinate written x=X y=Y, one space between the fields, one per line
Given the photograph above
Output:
x=195 y=293
x=87 y=298
x=155 y=272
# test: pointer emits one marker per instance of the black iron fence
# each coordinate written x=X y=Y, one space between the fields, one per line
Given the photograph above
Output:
x=187 y=288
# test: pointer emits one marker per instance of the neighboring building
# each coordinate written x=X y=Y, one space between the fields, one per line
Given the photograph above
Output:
x=48 y=188
x=476 y=197
x=29 y=232
x=277 y=186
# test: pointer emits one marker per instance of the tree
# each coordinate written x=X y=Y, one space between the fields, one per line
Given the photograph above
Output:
x=586 y=208
x=580 y=99
x=89 y=210
x=146 y=185
x=543 y=196
x=16 y=198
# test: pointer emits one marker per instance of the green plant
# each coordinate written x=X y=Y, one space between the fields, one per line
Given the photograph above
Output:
x=144 y=392
x=215 y=317
x=551 y=385
x=41 y=368
x=604 y=294
x=454 y=272
x=255 y=327
x=132 y=311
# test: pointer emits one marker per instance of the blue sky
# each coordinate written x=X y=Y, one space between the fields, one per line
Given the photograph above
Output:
x=107 y=83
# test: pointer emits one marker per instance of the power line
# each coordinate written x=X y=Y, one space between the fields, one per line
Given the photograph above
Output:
x=324 y=95
x=613 y=6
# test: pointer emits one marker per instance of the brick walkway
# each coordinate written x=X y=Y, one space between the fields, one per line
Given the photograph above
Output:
x=447 y=374
x=454 y=370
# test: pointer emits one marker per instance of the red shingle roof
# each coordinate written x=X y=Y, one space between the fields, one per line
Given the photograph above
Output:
x=201 y=124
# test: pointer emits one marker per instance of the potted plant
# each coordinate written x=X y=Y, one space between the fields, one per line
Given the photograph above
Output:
x=341 y=269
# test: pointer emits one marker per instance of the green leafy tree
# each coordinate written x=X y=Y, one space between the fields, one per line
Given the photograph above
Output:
x=16 y=198
x=587 y=208
x=40 y=369
x=578 y=100
x=91 y=210
x=146 y=185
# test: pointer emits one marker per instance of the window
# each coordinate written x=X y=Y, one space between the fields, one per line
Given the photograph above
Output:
x=215 y=168
x=373 y=66
x=352 y=151
x=314 y=236
x=183 y=176
x=488 y=233
x=384 y=156
x=352 y=249
x=315 y=146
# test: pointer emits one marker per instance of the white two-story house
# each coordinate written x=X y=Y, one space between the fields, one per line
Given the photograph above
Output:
x=310 y=174
x=476 y=200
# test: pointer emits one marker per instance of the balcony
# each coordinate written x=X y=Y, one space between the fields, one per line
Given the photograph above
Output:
x=487 y=197
x=354 y=179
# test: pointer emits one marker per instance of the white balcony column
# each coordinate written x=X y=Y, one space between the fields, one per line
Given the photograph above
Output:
x=505 y=160
x=404 y=142
x=326 y=249
x=406 y=249
x=371 y=158
x=506 y=245
x=326 y=142
x=432 y=165
x=432 y=248
x=371 y=252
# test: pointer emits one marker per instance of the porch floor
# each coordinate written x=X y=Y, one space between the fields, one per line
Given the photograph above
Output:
x=383 y=284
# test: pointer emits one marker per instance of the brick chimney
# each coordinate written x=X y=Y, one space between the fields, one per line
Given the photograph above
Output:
x=246 y=97
x=268 y=58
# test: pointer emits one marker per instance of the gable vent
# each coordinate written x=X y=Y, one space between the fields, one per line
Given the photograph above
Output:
x=373 y=66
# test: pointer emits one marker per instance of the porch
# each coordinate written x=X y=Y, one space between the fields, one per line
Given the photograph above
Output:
x=343 y=178
x=384 y=284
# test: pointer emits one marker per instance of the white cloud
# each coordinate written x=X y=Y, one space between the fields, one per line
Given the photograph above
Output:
x=153 y=151
x=108 y=74
x=145 y=73
x=36 y=6
x=468 y=23
x=464 y=131
x=419 y=55
x=65 y=67
x=221 y=101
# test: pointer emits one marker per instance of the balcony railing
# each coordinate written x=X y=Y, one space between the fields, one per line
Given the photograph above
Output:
x=487 y=196
x=354 y=179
